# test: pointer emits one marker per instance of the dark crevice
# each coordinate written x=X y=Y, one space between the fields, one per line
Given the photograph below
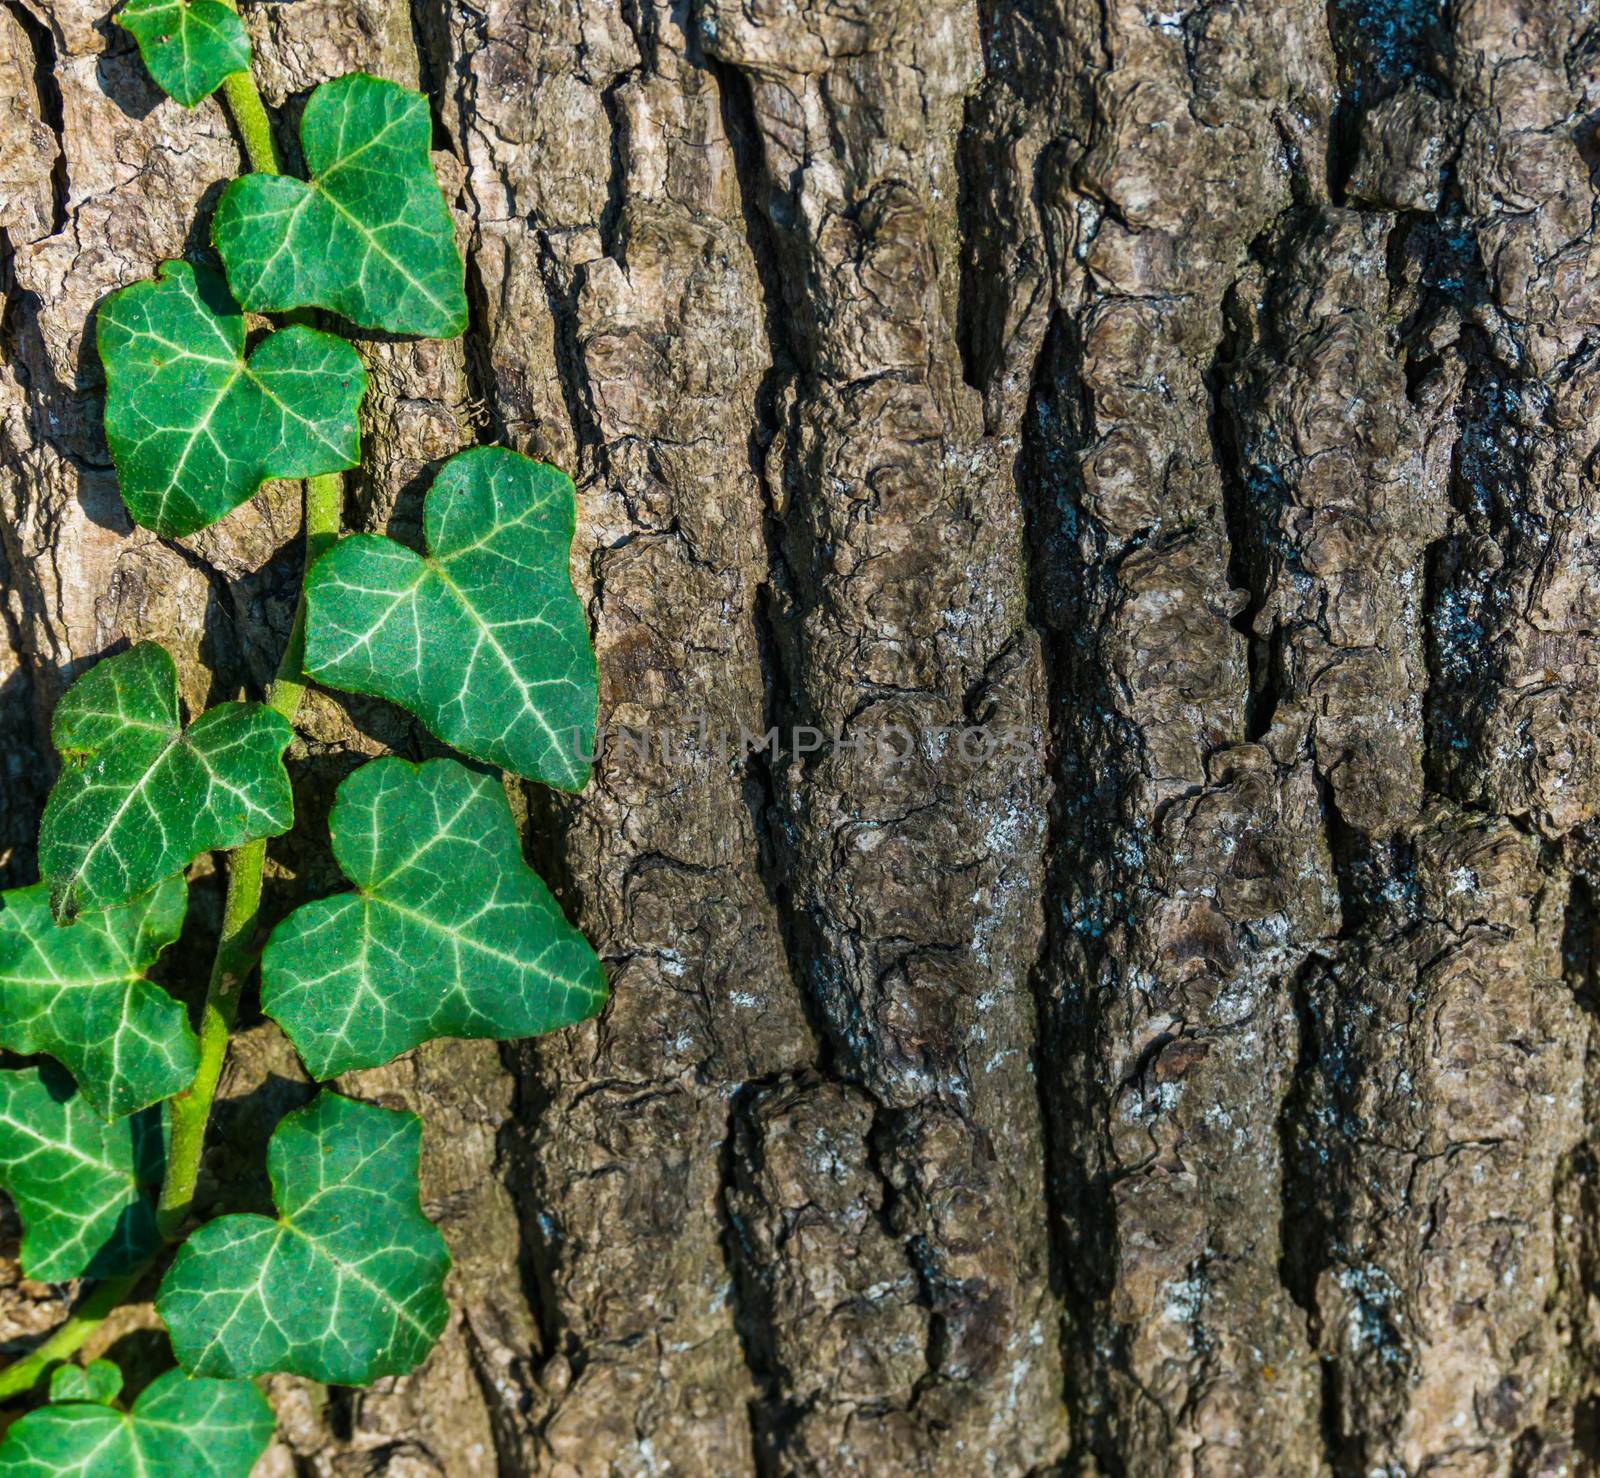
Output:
x=504 y=1391
x=772 y=1415
x=484 y=405
x=610 y=222
x=1577 y=1197
x=616 y=179
x=1580 y=946
x=975 y=303
x=1379 y=46
x=430 y=32
x=921 y=1259
x=801 y=949
x=808 y=949
x=1026 y=75
x=30 y=771
x=611 y=215
x=539 y=1251
x=1247 y=495
x=1306 y=1221
x=1339 y=999
x=1065 y=591
x=769 y=443
x=1466 y=604
x=341 y=1411
x=425 y=32
x=1451 y=286
x=51 y=106
x=561 y=295
x=221 y=647
x=1376 y=875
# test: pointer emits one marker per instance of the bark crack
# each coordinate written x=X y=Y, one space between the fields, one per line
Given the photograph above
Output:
x=51 y=105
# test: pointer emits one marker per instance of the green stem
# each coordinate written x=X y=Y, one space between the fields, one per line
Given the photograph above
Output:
x=19 y=1377
x=191 y=1109
x=324 y=513
x=250 y=118
x=236 y=953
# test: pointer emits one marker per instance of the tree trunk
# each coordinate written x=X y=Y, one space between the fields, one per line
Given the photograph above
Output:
x=1142 y=457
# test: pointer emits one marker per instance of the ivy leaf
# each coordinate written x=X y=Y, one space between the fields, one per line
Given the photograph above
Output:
x=344 y=1286
x=370 y=237
x=449 y=932
x=140 y=797
x=188 y=46
x=484 y=640
x=98 y=1381
x=84 y=1189
x=78 y=992
x=196 y=1428
x=194 y=424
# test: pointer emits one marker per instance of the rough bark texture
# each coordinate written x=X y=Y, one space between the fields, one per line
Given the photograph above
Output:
x=1191 y=405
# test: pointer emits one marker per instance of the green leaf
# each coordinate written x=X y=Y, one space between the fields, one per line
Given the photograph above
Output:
x=370 y=237
x=188 y=46
x=98 y=1381
x=449 y=933
x=195 y=425
x=178 y=1428
x=484 y=640
x=344 y=1286
x=78 y=992
x=140 y=797
x=85 y=1189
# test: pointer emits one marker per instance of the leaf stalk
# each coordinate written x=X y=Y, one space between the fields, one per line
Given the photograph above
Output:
x=250 y=117
x=19 y=1377
x=236 y=952
x=236 y=945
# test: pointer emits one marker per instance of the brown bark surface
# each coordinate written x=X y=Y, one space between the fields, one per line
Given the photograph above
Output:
x=1195 y=405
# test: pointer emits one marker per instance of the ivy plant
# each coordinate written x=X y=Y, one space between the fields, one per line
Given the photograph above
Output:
x=368 y=236
x=200 y=1428
x=195 y=424
x=447 y=933
x=444 y=929
x=344 y=1285
x=140 y=795
x=78 y=991
x=483 y=637
x=84 y=1187
x=189 y=46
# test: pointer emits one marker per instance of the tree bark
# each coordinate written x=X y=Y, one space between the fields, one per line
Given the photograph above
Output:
x=1187 y=410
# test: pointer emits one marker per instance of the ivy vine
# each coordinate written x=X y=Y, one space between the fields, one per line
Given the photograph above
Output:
x=444 y=931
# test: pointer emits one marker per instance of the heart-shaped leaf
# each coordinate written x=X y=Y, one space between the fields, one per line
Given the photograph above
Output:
x=98 y=1381
x=140 y=797
x=484 y=640
x=84 y=1189
x=178 y=1428
x=195 y=425
x=369 y=237
x=78 y=992
x=344 y=1286
x=188 y=46
x=449 y=934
